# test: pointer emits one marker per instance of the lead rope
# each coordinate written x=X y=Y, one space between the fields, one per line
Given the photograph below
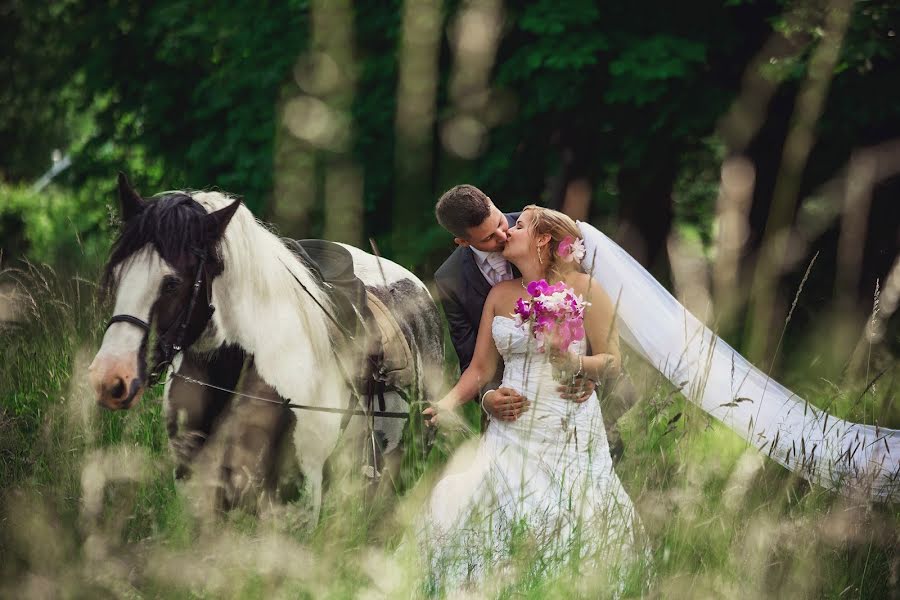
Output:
x=343 y=411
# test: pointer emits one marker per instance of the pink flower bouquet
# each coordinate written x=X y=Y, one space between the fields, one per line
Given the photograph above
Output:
x=554 y=315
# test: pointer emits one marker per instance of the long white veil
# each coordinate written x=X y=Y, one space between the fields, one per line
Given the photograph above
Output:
x=832 y=452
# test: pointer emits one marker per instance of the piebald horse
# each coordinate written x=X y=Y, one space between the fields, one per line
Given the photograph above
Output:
x=231 y=306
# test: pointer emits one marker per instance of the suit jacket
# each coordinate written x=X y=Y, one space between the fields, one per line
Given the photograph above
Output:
x=462 y=290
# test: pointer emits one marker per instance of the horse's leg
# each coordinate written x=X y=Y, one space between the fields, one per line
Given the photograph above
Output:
x=256 y=428
x=192 y=410
x=312 y=481
x=316 y=436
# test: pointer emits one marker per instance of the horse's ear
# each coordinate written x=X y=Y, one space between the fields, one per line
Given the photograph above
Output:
x=130 y=202
x=215 y=222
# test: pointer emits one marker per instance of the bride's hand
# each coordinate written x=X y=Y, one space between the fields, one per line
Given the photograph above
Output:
x=566 y=362
x=439 y=412
x=578 y=391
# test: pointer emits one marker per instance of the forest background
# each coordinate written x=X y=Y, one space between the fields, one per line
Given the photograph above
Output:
x=740 y=149
x=347 y=121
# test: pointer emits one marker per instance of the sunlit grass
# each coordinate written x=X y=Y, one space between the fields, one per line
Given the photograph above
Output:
x=90 y=507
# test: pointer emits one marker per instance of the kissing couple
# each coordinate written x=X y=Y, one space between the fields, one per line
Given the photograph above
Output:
x=520 y=305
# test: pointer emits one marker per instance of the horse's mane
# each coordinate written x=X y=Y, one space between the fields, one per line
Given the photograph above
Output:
x=170 y=223
x=267 y=306
x=259 y=302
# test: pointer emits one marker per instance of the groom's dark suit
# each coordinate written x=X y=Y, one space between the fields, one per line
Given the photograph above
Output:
x=463 y=290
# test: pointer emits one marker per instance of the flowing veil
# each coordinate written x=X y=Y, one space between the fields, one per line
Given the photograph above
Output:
x=832 y=452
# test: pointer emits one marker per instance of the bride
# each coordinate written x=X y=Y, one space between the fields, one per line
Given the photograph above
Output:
x=545 y=480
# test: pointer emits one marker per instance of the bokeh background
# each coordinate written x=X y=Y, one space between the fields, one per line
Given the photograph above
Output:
x=747 y=152
x=347 y=120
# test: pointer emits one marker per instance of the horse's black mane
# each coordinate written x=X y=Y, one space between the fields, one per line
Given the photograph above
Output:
x=172 y=223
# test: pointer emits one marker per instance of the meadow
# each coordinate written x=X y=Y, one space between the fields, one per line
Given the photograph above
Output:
x=90 y=507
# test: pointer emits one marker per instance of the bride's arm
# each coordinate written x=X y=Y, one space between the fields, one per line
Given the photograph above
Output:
x=600 y=329
x=483 y=366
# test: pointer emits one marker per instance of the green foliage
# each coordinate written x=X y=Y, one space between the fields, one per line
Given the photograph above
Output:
x=556 y=47
x=642 y=70
x=696 y=190
x=52 y=226
x=208 y=112
x=34 y=99
x=373 y=110
x=186 y=96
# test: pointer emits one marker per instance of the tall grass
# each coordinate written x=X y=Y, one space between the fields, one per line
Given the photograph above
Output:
x=89 y=506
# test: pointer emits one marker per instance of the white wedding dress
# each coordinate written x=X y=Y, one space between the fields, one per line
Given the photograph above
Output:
x=543 y=482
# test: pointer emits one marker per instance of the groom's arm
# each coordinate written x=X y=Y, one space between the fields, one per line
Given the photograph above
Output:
x=462 y=331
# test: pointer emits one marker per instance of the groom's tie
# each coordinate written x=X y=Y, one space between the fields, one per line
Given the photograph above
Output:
x=499 y=268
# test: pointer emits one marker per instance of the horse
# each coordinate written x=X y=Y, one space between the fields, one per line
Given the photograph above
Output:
x=248 y=327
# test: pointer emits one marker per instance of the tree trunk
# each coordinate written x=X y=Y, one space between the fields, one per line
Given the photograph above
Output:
x=645 y=210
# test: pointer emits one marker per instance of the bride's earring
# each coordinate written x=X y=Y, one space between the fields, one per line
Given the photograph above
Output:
x=540 y=260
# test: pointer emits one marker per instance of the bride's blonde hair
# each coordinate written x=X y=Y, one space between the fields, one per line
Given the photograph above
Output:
x=559 y=226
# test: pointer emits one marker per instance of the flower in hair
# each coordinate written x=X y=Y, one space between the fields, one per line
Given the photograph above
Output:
x=570 y=249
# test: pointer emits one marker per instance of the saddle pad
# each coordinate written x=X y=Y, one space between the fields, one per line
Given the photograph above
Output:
x=398 y=362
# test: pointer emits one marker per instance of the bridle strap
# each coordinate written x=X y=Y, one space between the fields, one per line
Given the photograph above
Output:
x=182 y=327
x=129 y=319
x=170 y=349
x=341 y=411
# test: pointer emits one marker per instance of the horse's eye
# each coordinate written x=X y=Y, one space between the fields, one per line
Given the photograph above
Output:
x=170 y=284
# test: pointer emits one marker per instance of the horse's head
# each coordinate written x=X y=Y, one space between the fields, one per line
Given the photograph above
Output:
x=160 y=275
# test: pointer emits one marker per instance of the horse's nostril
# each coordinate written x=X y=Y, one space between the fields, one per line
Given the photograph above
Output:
x=118 y=389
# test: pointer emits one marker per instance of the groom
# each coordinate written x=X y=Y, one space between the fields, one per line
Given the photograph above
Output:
x=466 y=278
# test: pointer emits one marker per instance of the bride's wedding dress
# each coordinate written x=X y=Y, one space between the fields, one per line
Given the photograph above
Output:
x=543 y=482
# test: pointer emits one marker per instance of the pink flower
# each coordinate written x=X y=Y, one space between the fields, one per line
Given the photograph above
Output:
x=523 y=309
x=537 y=288
x=554 y=314
x=570 y=249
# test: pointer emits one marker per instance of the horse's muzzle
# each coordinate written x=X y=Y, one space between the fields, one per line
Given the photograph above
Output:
x=117 y=385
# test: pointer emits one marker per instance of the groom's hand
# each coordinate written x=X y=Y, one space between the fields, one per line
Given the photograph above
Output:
x=580 y=390
x=505 y=404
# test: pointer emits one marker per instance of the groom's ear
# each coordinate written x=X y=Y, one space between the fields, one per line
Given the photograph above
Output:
x=460 y=242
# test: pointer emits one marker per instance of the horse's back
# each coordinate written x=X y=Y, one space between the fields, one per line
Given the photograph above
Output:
x=408 y=299
x=376 y=271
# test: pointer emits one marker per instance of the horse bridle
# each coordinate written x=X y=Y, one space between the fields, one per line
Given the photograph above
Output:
x=166 y=349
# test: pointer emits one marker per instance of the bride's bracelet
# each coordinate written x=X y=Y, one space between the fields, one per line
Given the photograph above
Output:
x=483 y=396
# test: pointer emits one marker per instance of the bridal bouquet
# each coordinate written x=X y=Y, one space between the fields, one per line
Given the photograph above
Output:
x=554 y=315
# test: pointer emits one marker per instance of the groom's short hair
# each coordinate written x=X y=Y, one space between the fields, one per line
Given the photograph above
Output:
x=461 y=207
